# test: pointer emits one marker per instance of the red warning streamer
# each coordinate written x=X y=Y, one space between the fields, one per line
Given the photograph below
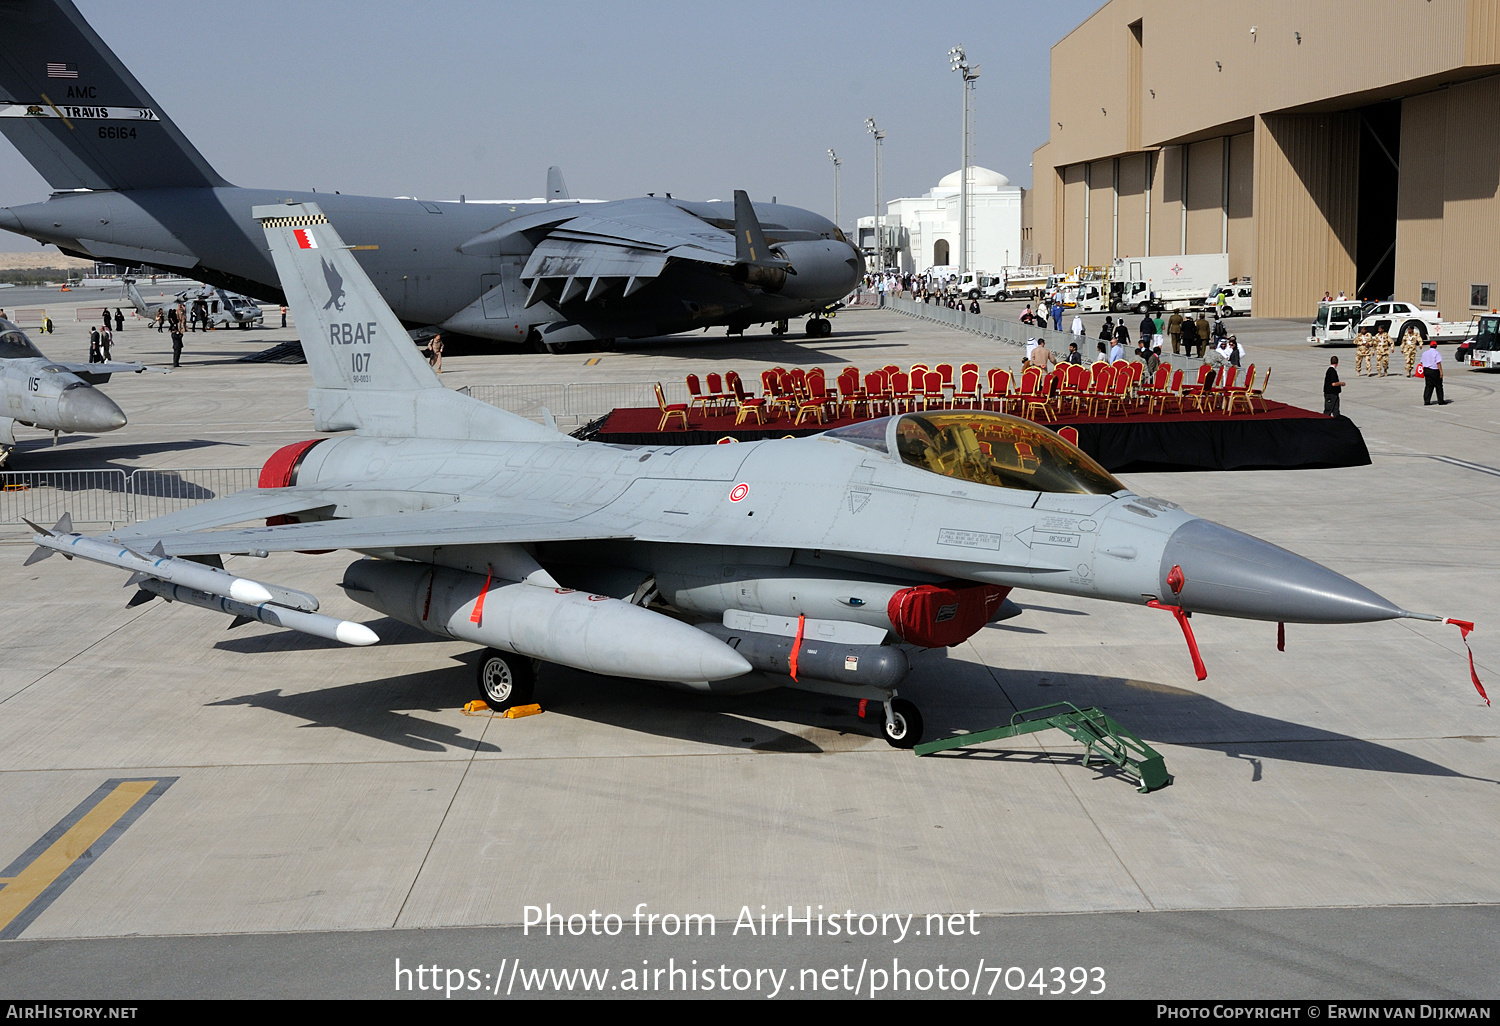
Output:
x=1464 y=627
x=797 y=643
x=1187 y=632
x=478 y=615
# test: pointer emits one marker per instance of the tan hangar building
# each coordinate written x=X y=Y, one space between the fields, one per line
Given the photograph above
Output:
x=1347 y=146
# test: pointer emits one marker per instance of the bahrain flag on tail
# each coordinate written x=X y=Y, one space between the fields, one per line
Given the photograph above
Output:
x=305 y=239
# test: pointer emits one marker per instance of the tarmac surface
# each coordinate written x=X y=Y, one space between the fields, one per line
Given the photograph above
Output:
x=319 y=811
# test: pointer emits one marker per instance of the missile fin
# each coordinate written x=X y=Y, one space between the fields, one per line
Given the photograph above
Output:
x=139 y=598
x=38 y=555
x=239 y=621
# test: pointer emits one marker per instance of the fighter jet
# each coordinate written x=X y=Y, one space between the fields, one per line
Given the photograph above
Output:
x=130 y=188
x=805 y=563
x=52 y=396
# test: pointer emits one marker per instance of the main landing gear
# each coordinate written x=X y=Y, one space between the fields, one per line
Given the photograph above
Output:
x=779 y=328
x=505 y=679
x=819 y=327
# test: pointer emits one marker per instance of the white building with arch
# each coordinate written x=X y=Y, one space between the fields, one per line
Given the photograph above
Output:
x=923 y=230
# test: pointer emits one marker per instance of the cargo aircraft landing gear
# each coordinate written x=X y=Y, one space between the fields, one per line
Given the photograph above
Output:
x=818 y=327
x=779 y=328
x=505 y=679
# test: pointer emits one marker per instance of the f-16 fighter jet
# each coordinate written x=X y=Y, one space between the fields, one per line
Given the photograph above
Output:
x=49 y=395
x=804 y=563
x=129 y=187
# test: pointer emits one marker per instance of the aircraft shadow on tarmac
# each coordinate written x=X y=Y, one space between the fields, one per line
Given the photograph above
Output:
x=95 y=457
x=1162 y=713
x=380 y=709
x=954 y=695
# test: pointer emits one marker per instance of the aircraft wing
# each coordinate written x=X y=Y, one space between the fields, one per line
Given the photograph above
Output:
x=106 y=369
x=631 y=245
x=443 y=521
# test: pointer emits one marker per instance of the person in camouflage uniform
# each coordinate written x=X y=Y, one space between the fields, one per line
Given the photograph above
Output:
x=1362 y=361
x=1383 y=347
x=1409 y=346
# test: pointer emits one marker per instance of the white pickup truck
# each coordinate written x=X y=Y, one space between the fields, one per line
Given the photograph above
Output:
x=1339 y=322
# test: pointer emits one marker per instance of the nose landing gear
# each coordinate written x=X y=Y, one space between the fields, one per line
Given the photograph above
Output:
x=902 y=725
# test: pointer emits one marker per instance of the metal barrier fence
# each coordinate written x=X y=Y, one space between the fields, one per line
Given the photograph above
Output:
x=576 y=403
x=113 y=496
x=1014 y=333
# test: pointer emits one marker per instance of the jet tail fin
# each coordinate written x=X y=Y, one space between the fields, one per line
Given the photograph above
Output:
x=557 y=189
x=750 y=246
x=136 y=300
x=367 y=374
x=55 y=72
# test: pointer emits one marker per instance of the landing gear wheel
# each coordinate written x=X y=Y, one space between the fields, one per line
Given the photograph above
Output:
x=505 y=679
x=818 y=327
x=907 y=725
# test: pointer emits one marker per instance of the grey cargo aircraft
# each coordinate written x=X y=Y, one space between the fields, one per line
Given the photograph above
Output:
x=128 y=187
x=52 y=396
x=799 y=563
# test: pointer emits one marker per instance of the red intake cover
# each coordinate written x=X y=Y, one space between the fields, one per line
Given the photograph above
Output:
x=937 y=615
x=280 y=471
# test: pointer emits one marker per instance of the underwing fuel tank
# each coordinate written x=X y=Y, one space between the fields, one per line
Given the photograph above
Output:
x=589 y=632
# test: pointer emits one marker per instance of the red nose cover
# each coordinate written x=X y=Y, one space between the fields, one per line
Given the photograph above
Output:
x=280 y=471
x=937 y=615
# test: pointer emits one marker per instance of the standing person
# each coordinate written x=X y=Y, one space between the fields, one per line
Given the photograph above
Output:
x=283 y=315
x=106 y=318
x=1077 y=325
x=1107 y=329
x=435 y=353
x=1410 y=343
x=176 y=343
x=106 y=341
x=161 y=317
x=94 y=355
x=1153 y=362
x=1188 y=333
x=1383 y=348
x=119 y=320
x=1148 y=330
x=1057 y=312
x=1432 y=375
x=1362 y=361
x=1102 y=356
x=1122 y=335
x=1174 y=330
x=1074 y=356
x=1041 y=357
x=182 y=317
x=1204 y=331
x=1026 y=315
x=1331 y=386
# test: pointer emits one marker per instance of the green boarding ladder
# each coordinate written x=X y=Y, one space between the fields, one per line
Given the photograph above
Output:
x=1101 y=737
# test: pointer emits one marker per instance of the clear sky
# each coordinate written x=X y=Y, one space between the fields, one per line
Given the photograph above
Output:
x=627 y=96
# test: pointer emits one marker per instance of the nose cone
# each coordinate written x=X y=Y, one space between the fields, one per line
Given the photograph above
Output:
x=1233 y=574
x=10 y=222
x=85 y=408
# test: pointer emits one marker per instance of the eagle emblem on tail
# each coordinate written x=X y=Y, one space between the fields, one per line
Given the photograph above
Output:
x=335 y=287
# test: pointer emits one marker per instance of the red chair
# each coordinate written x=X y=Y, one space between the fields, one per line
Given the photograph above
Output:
x=933 y=397
x=668 y=413
x=946 y=370
x=695 y=394
x=877 y=393
x=1033 y=398
x=1068 y=434
x=997 y=396
x=817 y=400
x=1240 y=394
x=746 y=406
x=902 y=398
x=967 y=391
x=717 y=396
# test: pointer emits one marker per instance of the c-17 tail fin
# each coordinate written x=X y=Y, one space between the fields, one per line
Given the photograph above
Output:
x=76 y=112
x=367 y=374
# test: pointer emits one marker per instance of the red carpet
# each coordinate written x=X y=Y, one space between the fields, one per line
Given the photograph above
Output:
x=1280 y=436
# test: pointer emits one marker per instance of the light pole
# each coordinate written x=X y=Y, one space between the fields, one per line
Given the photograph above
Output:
x=879 y=240
x=837 y=163
x=958 y=62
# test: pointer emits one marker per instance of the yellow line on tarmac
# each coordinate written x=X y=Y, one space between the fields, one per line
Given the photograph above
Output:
x=26 y=886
